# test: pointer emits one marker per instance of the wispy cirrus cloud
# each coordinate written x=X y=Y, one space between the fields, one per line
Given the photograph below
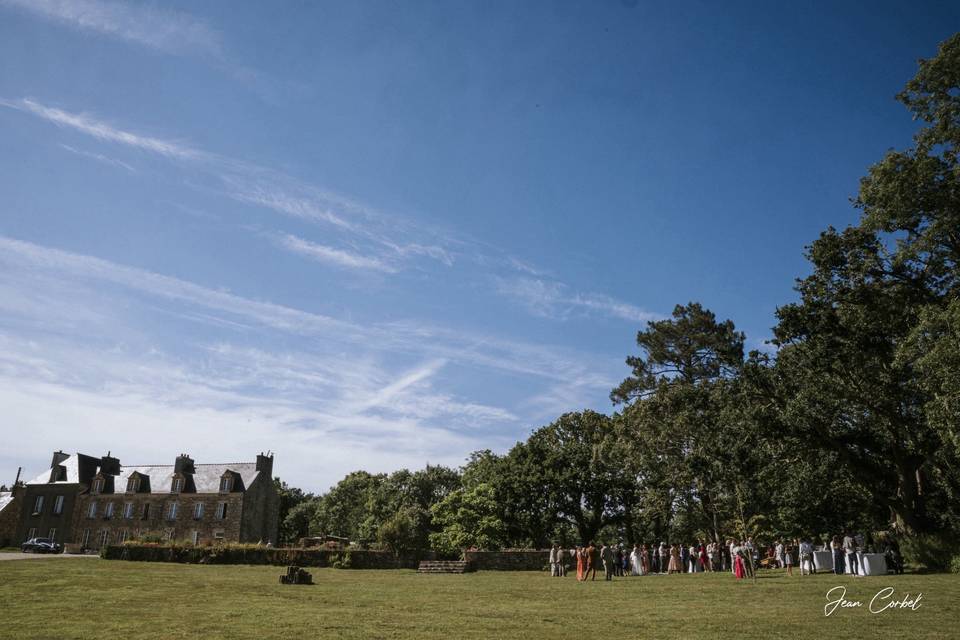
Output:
x=93 y=347
x=103 y=131
x=99 y=157
x=406 y=337
x=331 y=255
x=161 y=29
x=552 y=299
x=385 y=237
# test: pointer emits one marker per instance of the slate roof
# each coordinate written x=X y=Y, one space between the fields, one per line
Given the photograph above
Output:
x=6 y=497
x=71 y=464
x=206 y=478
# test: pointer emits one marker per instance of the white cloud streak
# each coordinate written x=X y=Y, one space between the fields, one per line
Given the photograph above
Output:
x=99 y=158
x=164 y=30
x=331 y=255
x=264 y=187
x=102 y=131
x=552 y=299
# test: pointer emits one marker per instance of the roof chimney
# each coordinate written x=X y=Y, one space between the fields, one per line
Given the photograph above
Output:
x=184 y=464
x=109 y=465
x=265 y=464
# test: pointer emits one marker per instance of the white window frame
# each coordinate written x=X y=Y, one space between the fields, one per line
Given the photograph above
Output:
x=52 y=534
x=226 y=484
x=128 y=511
x=145 y=513
x=108 y=513
x=133 y=484
x=92 y=509
x=198 y=511
x=172 y=511
x=104 y=537
x=85 y=539
x=38 y=505
x=97 y=485
x=177 y=485
x=58 y=505
x=32 y=533
x=221 y=511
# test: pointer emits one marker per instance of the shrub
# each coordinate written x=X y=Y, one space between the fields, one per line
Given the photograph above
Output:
x=955 y=564
x=934 y=552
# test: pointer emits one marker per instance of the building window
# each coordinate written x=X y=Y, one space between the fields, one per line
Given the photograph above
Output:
x=198 y=511
x=226 y=484
x=58 y=505
x=32 y=533
x=133 y=485
x=218 y=535
x=177 y=486
x=122 y=536
x=195 y=537
x=97 y=485
x=172 y=511
x=221 y=510
x=85 y=539
x=146 y=511
x=52 y=534
x=38 y=506
x=92 y=510
x=108 y=514
x=104 y=536
x=127 y=510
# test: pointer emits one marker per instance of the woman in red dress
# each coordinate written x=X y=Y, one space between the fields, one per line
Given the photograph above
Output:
x=738 y=569
x=581 y=569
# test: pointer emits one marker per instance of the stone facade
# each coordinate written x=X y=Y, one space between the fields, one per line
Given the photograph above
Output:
x=108 y=503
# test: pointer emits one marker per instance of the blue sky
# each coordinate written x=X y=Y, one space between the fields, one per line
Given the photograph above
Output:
x=377 y=234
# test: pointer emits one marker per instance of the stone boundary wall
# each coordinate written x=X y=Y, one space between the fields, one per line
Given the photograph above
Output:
x=524 y=560
x=346 y=559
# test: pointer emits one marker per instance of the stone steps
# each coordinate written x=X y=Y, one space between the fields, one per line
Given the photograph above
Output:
x=444 y=566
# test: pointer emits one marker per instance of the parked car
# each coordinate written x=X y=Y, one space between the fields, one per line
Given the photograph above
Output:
x=41 y=545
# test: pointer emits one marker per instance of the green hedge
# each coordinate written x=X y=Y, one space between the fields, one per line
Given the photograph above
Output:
x=258 y=554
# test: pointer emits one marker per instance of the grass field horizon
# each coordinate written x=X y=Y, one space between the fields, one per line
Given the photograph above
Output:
x=74 y=598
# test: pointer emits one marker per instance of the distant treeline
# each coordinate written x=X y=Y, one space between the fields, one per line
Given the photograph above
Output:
x=850 y=420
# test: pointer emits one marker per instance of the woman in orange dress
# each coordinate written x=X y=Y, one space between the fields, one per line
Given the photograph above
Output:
x=581 y=569
x=674 y=566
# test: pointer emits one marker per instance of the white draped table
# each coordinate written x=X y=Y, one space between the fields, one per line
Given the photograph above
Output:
x=823 y=560
x=873 y=564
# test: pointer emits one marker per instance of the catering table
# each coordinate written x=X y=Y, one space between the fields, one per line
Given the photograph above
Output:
x=823 y=560
x=873 y=564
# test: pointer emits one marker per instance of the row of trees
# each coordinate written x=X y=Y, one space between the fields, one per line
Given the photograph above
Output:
x=852 y=421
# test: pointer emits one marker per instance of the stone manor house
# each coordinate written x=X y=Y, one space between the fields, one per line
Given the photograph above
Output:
x=90 y=501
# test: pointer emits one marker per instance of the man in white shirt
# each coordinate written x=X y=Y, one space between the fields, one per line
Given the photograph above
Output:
x=553 y=560
x=806 y=556
x=850 y=549
x=778 y=553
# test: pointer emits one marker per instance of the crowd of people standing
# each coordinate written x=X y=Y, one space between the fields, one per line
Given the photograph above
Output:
x=739 y=557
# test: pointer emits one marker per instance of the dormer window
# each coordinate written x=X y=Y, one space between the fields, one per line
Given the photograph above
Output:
x=133 y=484
x=97 y=485
x=177 y=485
x=226 y=484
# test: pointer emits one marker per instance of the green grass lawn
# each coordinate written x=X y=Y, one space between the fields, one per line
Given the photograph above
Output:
x=76 y=598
